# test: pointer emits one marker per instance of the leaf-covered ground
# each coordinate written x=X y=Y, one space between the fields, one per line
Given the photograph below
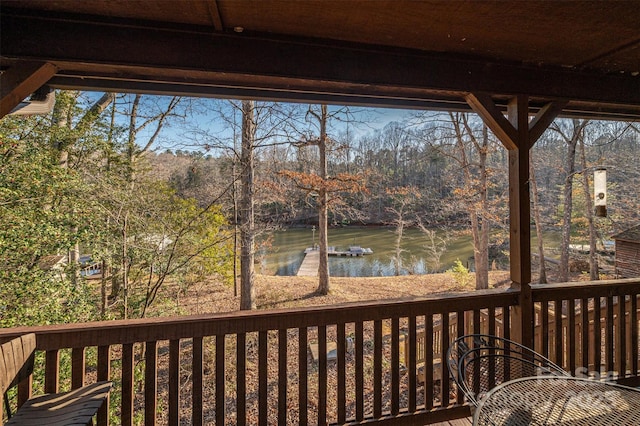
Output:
x=283 y=292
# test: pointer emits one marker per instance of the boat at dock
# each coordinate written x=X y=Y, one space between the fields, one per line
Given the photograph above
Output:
x=352 y=251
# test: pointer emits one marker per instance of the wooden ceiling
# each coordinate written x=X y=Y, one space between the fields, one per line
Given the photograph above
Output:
x=417 y=54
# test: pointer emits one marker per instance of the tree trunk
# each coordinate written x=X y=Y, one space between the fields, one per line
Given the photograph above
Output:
x=247 y=227
x=536 y=218
x=125 y=269
x=570 y=169
x=103 y=289
x=234 y=194
x=593 y=255
x=482 y=253
x=323 y=201
x=478 y=208
x=399 y=234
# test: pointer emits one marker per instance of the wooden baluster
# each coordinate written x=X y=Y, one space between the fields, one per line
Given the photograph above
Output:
x=476 y=321
x=377 y=369
x=174 y=382
x=24 y=392
x=263 y=394
x=492 y=359
x=282 y=376
x=150 y=383
x=220 y=379
x=558 y=333
x=342 y=378
x=428 y=362
x=597 y=344
x=445 y=341
x=609 y=336
x=52 y=371
x=506 y=322
x=126 y=415
x=633 y=319
x=241 y=381
x=395 y=366
x=302 y=375
x=571 y=334
x=104 y=374
x=506 y=325
x=627 y=323
x=77 y=367
x=584 y=307
x=197 y=381
x=621 y=348
x=476 y=368
x=359 y=371
x=544 y=314
x=460 y=317
x=322 y=374
x=412 y=363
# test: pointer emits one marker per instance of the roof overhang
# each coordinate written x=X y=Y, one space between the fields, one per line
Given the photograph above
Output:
x=124 y=55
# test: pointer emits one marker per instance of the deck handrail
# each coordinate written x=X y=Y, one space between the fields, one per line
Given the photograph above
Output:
x=60 y=336
x=552 y=291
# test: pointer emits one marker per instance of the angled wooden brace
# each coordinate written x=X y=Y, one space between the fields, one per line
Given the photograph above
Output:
x=483 y=105
x=22 y=79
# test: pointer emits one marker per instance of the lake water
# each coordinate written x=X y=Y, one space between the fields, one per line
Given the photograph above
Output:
x=286 y=252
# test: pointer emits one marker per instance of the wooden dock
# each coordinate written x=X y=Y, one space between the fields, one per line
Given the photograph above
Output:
x=311 y=261
x=310 y=264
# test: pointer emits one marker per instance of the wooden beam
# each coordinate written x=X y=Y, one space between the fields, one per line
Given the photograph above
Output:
x=20 y=81
x=484 y=106
x=195 y=54
x=214 y=11
x=543 y=119
x=165 y=82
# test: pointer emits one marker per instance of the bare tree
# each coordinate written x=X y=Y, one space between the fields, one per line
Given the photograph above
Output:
x=571 y=134
x=402 y=203
x=593 y=254
x=538 y=224
x=246 y=207
x=475 y=191
x=436 y=246
x=324 y=188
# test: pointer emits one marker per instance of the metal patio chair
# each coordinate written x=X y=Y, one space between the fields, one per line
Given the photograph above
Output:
x=479 y=362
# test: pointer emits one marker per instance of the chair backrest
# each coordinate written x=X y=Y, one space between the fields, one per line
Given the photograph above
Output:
x=479 y=362
x=16 y=360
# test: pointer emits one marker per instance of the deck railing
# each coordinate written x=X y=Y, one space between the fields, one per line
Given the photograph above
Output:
x=371 y=360
x=256 y=367
x=589 y=327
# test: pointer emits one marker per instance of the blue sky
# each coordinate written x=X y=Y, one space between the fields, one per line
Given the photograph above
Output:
x=180 y=134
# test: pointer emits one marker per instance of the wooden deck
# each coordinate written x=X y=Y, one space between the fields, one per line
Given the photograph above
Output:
x=457 y=422
x=310 y=264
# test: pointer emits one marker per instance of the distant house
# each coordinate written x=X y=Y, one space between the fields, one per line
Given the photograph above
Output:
x=54 y=261
x=628 y=253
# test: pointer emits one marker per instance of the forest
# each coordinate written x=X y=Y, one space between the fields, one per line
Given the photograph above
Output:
x=158 y=189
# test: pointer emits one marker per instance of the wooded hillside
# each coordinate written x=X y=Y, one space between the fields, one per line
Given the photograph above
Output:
x=149 y=187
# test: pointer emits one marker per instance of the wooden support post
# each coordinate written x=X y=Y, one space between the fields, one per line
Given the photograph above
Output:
x=20 y=81
x=519 y=220
x=518 y=135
